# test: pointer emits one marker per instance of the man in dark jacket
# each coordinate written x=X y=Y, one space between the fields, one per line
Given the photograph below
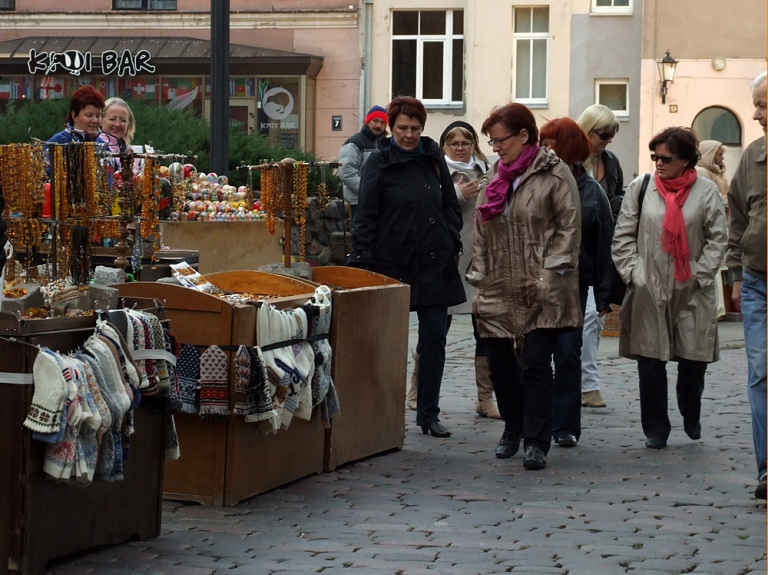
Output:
x=356 y=150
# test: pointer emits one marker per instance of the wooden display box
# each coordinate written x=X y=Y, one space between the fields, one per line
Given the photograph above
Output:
x=223 y=462
x=369 y=337
x=40 y=519
x=225 y=246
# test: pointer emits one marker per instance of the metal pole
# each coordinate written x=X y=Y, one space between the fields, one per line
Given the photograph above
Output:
x=367 y=56
x=220 y=86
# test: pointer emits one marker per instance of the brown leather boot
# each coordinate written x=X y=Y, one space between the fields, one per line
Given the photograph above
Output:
x=485 y=407
x=413 y=386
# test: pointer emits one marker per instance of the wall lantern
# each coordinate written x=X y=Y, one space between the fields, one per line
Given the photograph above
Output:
x=667 y=67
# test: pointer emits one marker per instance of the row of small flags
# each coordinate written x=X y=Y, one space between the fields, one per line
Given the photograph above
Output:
x=48 y=87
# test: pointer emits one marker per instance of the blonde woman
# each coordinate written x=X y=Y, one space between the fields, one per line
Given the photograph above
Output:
x=601 y=125
x=117 y=124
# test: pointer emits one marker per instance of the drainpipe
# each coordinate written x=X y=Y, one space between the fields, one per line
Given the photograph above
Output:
x=368 y=49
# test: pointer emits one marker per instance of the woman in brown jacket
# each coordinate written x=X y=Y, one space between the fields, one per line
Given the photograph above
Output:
x=525 y=257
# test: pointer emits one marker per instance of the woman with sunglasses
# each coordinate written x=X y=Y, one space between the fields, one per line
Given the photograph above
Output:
x=524 y=267
x=601 y=125
x=668 y=250
x=408 y=226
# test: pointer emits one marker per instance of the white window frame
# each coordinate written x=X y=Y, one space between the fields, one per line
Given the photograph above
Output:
x=447 y=41
x=530 y=36
x=620 y=114
x=612 y=10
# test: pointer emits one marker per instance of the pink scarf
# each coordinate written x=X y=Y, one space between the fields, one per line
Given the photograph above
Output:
x=496 y=192
x=674 y=240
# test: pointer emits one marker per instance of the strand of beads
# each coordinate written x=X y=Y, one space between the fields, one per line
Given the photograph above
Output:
x=299 y=202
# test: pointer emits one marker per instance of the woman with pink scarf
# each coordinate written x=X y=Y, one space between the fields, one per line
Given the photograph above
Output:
x=525 y=259
x=667 y=247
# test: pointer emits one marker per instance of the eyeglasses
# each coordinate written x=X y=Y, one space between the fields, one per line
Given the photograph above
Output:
x=500 y=141
x=460 y=145
x=664 y=159
x=606 y=137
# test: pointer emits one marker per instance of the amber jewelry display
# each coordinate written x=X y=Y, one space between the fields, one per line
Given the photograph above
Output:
x=271 y=194
x=299 y=203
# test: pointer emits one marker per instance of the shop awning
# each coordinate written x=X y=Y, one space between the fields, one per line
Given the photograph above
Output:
x=170 y=56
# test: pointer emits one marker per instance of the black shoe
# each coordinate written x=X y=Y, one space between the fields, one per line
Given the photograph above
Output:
x=535 y=458
x=509 y=444
x=760 y=490
x=693 y=430
x=566 y=440
x=656 y=443
x=435 y=429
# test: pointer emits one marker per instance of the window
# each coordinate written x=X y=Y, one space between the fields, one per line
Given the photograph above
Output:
x=143 y=4
x=531 y=46
x=428 y=56
x=7 y=4
x=719 y=124
x=613 y=94
x=612 y=7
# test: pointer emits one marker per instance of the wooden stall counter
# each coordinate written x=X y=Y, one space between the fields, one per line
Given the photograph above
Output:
x=369 y=338
x=225 y=246
x=226 y=461
x=41 y=519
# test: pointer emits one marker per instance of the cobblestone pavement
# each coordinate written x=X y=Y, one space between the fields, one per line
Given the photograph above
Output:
x=447 y=506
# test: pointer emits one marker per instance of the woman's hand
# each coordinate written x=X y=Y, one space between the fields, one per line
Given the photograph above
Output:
x=468 y=188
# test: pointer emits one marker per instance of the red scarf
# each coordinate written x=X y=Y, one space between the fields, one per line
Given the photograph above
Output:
x=674 y=240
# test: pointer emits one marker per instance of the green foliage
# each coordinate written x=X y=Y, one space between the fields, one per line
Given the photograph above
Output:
x=175 y=132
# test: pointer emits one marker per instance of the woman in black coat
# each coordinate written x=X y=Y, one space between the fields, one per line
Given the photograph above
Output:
x=573 y=146
x=407 y=226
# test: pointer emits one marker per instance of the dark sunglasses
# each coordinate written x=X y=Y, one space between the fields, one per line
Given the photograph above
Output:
x=664 y=159
x=606 y=137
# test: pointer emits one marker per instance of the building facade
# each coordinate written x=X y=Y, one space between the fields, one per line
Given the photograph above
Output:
x=291 y=68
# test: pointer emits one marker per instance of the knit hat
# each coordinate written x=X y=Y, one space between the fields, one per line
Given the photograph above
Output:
x=457 y=124
x=214 y=384
x=188 y=370
x=49 y=395
x=377 y=112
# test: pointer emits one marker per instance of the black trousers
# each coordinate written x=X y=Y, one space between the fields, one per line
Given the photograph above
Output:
x=524 y=384
x=433 y=327
x=653 y=393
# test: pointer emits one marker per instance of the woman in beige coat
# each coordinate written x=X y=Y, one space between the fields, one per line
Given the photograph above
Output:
x=525 y=257
x=668 y=251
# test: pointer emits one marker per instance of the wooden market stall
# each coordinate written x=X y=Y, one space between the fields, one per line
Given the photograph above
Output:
x=41 y=519
x=369 y=337
x=226 y=461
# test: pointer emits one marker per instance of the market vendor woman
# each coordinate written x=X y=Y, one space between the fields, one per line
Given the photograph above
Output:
x=407 y=226
x=83 y=122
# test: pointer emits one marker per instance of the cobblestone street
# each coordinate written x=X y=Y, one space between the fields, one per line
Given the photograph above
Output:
x=608 y=506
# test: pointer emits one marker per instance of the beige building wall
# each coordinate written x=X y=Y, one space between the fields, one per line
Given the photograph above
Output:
x=488 y=60
x=695 y=32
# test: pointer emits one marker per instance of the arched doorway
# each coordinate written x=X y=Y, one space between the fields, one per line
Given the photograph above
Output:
x=718 y=123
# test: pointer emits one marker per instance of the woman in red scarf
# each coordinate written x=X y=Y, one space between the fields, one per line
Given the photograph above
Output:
x=668 y=250
x=525 y=257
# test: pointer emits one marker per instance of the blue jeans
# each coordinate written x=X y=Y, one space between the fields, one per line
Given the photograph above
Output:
x=753 y=310
x=567 y=413
x=433 y=328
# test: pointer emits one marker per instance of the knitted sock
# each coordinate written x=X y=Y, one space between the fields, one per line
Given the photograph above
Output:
x=214 y=384
x=259 y=396
x=242 y=379
x=188 y=371
x=49 y=395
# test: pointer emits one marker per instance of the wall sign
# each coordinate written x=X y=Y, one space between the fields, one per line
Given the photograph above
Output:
x=336 y=123
x=74 y=62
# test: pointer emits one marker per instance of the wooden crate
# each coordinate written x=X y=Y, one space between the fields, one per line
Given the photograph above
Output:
x=40 y=519
x=224 y=462
x=369 y=338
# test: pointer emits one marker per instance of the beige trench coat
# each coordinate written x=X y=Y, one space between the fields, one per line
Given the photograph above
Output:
x=662 y=318
x=525 y=264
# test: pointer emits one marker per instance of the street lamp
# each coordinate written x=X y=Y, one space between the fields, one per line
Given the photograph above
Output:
x=667 y=67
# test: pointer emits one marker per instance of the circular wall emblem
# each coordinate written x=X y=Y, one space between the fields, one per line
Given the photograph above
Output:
x=277 y=103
